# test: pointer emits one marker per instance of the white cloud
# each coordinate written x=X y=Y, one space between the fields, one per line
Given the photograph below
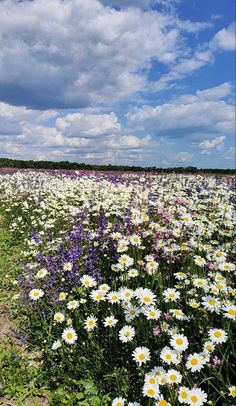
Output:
x=128 y=142
x=12 y=118
x=209 y=145
x=88 y=125
x=204 y=112
x=74 y=53
x=184 y=157
x=225 y=38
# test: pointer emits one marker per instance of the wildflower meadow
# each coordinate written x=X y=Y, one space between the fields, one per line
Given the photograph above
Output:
x=125 y=283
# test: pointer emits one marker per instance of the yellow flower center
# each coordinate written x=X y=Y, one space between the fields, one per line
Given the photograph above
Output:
x=194 y=361
x=219 y=254
x=69 y=336
x=232 y=312
x=184 y=395
x=211 y=301
x=217 y=334
x=36 y=294
x=179 y=341
x=146 y=299
x=194 y=399
x=171 y=295
x=119 y=404
x=163 y=403
x=150 y=392
x=152 y=314
x=114 y=297
x=168 y=356
x=141 y=357
x=173 y=377
x=91 y=322
x=152 y=381
x=132 y=312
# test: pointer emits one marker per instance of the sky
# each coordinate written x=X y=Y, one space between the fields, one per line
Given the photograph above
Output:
x=127 y=82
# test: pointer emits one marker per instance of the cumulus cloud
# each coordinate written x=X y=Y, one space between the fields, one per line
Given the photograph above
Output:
x=88 y=125
x=204 y=112
x=209 y=145
x=12 y=118
x=75 y=53
x=225 y=38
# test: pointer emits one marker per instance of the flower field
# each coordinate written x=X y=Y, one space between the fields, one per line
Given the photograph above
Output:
x=126 y=282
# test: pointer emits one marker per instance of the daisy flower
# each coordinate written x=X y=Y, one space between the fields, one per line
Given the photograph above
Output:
x=151 y=379
x=69 y=335
x=199 y=261
x=141 y=355
x=208 y=346
x=41 y=273
x=125 y=293
x=152 y=313
x=110 y=321
x=230 y=311
x=126 y=334
x=152 y=391
x=36 y=294
x=126 y=261
x=211 y=303
x=72 y=304
x=145 y=296
x=169 y=356
x=113 y=297
x=97 y=295
x=87 y=281
x=197 y=397
x=183 y=394
x=132 y=273
x=67 y=266
x=171 y=294
x=62 y=296
x=179 y=342
x=135 y=240
x=104 y=288
x=90 y=323
x=232 y=391
x=131 y=312
x=226 y=266
x=173 y=376
x=195 y=362
x=217 y=336
x=59 y=317
x=118 y=402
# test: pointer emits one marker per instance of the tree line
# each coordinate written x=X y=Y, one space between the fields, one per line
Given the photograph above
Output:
x=22 y=164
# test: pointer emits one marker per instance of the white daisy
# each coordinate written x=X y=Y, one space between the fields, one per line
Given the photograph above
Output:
x=59 y=317
x=126 y=334
x=197 y=397
x=179 y=342
x=69 y=335
x=87 y=281
x=141 y=355
x=173 y=376
x=36 y=294
x=195 y=362
x=110 y=321
x=217 y=335
x=90 y=323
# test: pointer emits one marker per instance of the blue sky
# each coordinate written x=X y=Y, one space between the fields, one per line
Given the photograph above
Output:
x=135 y=82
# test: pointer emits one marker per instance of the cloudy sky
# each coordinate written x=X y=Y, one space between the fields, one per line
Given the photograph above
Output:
x=137 y=82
